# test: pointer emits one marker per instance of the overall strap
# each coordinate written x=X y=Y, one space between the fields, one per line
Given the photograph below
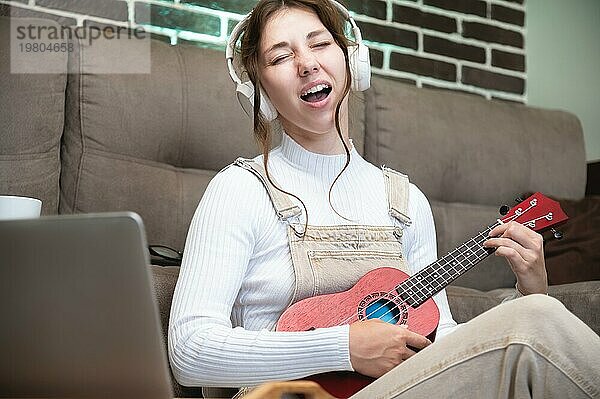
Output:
x=284 y=207
x=397 y=187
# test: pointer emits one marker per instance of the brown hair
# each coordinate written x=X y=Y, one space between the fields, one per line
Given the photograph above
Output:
x=334 y=22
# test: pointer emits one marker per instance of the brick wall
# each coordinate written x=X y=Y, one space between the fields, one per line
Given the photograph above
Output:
x=476 y=46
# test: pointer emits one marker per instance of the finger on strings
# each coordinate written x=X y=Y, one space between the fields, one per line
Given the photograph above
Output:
x=521 y=235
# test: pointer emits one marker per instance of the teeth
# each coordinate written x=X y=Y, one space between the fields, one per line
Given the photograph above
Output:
x=315 y=89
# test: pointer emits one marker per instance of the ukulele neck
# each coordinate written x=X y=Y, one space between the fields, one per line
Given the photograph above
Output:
x=438 y=275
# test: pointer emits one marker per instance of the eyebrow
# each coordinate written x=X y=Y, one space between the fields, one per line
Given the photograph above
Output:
x=309 y=36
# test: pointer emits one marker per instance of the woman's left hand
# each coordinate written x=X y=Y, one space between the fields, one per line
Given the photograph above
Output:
x=524 y=250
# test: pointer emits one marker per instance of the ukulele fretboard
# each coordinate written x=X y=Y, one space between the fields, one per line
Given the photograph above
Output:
x=438 y=275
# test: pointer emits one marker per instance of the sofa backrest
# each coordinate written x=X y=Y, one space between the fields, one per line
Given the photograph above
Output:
x=150 y=143
x=463 y=148
x=32 y=114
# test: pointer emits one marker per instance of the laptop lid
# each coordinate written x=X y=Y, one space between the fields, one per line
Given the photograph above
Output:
x=79 y=317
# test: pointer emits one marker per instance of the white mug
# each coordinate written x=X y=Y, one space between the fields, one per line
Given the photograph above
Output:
x=15 y=207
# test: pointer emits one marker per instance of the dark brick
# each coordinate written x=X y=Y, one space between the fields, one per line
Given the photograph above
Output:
x=177 y=19
x=5 y=9
x=504 y=59
x=110 y=9
x=376 y=58
x=476 y=7
x=230 y=25
x=492 y=80
x=140 y=32
x=423 y=66
x=414 y=16
x=372 y=8
x=402 y=80
x=386 y=34
x=430 y=86
x=509 y=15
x=213 y=46
x=162 y=38
x=25 y=13
x=436 y=45
x=490 y=33
x=236 y=6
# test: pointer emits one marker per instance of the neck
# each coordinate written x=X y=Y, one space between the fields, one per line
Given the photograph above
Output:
x=326 y=142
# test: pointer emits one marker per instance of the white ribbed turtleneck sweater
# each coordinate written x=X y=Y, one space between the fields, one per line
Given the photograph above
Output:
x=237 y=276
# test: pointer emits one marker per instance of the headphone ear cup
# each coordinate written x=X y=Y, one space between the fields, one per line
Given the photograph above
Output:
x=266 y=107
x=360 y=67
x=245 y=95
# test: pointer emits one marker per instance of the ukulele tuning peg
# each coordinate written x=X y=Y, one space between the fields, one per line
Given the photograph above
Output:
x=504 y=210
x=557 y=234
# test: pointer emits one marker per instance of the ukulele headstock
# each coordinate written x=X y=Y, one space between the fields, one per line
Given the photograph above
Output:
x=537 y=212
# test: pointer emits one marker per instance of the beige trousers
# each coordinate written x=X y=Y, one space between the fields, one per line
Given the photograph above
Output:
x=531 y=347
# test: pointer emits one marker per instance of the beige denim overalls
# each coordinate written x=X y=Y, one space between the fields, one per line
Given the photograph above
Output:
x=328 y=259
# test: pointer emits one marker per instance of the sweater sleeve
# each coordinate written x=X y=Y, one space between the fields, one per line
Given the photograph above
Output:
x=421 y=250
x=204 y=348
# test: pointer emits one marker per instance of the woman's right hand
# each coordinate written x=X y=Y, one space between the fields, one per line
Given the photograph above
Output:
x=376 y=347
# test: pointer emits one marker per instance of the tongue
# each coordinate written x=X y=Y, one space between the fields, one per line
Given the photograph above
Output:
x=314 y=97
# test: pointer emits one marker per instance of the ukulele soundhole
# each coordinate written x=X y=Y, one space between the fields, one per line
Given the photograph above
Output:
x=383 y=306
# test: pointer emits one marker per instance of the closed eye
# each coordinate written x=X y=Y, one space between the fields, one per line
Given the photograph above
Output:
x=277 y=60
x=322 y=44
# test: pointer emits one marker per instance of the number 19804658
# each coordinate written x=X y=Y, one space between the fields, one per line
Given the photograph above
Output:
x=45 y=47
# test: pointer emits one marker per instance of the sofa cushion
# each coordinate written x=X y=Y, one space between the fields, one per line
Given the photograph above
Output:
x=31 y=124
x=463 y=148
x=149 y=143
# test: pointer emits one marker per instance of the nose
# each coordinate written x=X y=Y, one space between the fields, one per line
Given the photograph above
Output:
x=307 y=65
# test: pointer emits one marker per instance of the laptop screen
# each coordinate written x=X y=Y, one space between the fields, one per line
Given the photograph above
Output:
x=78 y=309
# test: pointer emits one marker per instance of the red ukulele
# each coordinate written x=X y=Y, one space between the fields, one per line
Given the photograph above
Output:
x=392 y=296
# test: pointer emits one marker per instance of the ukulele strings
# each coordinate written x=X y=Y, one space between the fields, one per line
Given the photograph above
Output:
x=399 y=295
x=393 y=296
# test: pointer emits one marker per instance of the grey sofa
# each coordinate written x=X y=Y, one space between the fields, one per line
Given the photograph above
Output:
x=150 y=143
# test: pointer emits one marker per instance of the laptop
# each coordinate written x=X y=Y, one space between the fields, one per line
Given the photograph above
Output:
x=78 y=310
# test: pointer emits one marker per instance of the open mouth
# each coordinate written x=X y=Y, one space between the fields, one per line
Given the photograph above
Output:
x=316 y=93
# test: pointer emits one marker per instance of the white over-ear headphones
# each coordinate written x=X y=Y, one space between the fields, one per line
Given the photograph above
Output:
x=358 y=57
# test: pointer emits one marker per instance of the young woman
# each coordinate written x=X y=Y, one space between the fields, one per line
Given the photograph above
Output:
x=312 y=216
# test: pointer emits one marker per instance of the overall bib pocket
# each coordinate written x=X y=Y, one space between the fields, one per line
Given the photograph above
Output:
x=332 y=267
